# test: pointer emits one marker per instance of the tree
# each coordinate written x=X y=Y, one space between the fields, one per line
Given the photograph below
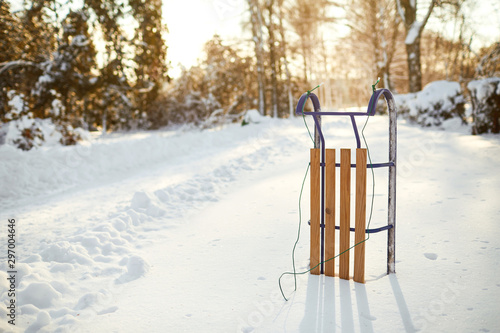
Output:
x=67 y=77
x=112 y=106
x=220 y=88
x=228 y=76
x=256 y=21
x=150 y=51
x=374 y=36
x=408 y=11
x=304 y=17
x=10 y=48
x=271 y=27
x=283 y=50
x=489 y=62
x=10 y=34
x=26 y=40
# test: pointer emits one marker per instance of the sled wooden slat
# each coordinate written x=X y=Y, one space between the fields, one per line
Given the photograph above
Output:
x=315 y=211
x=330 y=212
x=345 y=211
x=360 y=218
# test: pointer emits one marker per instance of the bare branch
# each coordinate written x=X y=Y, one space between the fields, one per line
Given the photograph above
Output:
x=5 y=66
x=426 y=18
x=400 y=11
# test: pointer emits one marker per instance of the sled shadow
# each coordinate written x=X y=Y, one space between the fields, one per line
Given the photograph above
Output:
x=400 y=300
x=319 y=314
x=320 y=308
x=325 y=293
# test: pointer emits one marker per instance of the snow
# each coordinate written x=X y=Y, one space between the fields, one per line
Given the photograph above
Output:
x=44 y=132
x=484 y=88
x=485 y=104
x=80 y=41
x=435 y=103
x=444 y=91
x=188 y=230
x=45 y=78
x=254 y=117
x=16 y=104
x=57 y=107
x=413 y=33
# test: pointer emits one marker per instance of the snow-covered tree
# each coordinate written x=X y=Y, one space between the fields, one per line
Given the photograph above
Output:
x=150 y=51
x=228 y=76
x=437 y=102
x=408 y=11
x=221 y=87
x=489 y=63
x=68 y=75
x=485 y=98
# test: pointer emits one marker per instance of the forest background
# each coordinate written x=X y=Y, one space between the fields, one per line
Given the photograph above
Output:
x=103 y=65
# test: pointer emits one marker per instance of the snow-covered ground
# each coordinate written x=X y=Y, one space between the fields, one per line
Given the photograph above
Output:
x=188 y=231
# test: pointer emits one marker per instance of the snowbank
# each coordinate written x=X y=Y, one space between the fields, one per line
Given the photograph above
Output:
x=52 y=169
x=27 y=133
x=437 y=102
x=254 y=117
x=485 y=98
x=24 y=131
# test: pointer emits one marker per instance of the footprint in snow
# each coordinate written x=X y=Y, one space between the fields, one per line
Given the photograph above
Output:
x=431 y=256
x=108 y=310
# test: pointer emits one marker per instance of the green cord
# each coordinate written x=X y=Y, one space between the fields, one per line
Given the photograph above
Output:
x=300 y=224
x=374 y=85
x=310 y=91
x=305 y=123
x=294 y=273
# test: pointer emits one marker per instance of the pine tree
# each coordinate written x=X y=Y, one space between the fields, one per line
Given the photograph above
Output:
x=112 y=106
x=150 y=51
x=69 y=74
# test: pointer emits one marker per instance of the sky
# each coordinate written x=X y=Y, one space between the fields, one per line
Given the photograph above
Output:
x=191 y=23
x=483 y=19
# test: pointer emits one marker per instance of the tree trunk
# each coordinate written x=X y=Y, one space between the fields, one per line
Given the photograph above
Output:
x=304 y=58
x=414 y=66
x=408 y=12
x=104 y=122
x=285 y=60
x=256 y=19
x=272 y=60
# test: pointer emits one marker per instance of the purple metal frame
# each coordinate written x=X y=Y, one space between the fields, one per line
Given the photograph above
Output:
x=320 y=140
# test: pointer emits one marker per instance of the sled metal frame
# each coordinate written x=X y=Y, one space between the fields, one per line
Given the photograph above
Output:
x=319 y=143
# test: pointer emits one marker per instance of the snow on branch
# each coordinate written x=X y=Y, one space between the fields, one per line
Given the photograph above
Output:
x=400 y=11
x=417 y=27
x=413 y=33
x=5 y=66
